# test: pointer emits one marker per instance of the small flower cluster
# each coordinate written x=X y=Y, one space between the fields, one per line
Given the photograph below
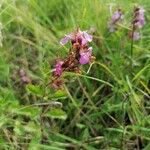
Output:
x=138 y=23
x=23 y=76
x=116 y=17
x=79 y=54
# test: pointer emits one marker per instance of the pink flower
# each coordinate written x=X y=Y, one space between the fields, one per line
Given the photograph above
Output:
x=22 y=72
x=25 y=79
x=85 y=38
x=85 y=56
x=136 y=36
x=116 y=16
x=81 y=37
x=58 y=68
x=64 y=40
x=140 y=23
x=140 y=20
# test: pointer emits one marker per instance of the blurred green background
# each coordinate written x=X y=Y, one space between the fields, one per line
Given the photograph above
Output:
x=106 y=107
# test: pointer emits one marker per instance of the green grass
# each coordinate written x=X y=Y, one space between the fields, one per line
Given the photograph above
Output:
x=105 y=107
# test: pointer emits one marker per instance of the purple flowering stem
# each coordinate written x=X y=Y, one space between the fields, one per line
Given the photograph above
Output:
x=57 y=77
x=132 y=42
x=132 y=45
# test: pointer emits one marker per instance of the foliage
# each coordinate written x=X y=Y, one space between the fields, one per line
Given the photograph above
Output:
x=105 y=107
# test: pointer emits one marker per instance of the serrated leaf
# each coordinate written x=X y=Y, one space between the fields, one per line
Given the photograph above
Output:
x=56 y=114
x=29 y=111
x=59 y=94
x=35 y=89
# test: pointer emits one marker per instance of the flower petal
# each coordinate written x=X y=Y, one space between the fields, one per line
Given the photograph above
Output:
x=87 y=36
x=85 y=56
x=136 y=36
x=90 y=49
x=84 y=59
x=65 y=40
x=116 y=16
x=58 y=68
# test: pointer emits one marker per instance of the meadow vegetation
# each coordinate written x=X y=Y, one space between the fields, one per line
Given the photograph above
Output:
x=105 y=106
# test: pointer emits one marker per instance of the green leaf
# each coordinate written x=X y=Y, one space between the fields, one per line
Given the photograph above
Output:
x=56 y=114
x=80 y=126
x=147 y=147
x=4 y=68
x=140 y=72
x=59 y=94
x=29 y=111
x=35 y=89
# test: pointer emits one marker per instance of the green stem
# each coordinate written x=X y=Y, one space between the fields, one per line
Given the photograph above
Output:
x=132 y=41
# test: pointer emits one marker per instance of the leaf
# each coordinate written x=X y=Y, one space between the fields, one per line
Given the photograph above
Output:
x=35 y=89
x=29 y=111
x=140 y=72
x=59 y=94
x=80 y=126
x=147 y=147
x=85 y=134
x=32 y=127
x=56 y=114
x=4 y=68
